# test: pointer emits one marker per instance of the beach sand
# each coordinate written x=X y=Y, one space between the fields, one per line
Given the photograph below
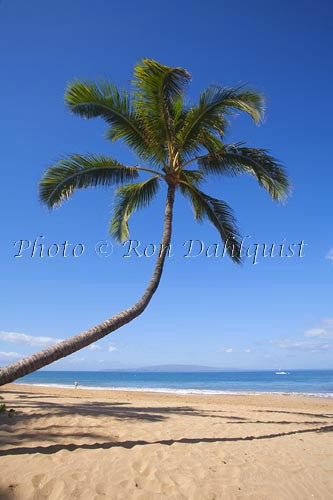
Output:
x=103 y=444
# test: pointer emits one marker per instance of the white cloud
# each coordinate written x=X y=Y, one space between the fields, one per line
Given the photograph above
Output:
x=23 y=338
x=329 y=255
x=112 y=347
x=94 y=347
x=231 y=349
x=317 y=339
x=303 y=345
x=11 y=355
x=324 y=331
x=77 y=359
x=227 y=349
x=315 y=332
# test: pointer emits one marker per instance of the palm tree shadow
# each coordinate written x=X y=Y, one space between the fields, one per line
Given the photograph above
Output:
x=301 y=413
x=116 y=410
x=8 y=493
x=122 y=411
x=164 y=442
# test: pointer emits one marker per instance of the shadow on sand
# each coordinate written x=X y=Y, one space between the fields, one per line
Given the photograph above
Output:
x=8 y=493
x=165 y=442
x=127 y=412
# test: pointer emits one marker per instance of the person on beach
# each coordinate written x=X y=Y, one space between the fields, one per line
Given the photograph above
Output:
x=76 y=384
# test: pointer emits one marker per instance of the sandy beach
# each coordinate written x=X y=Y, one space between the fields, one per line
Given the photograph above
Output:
x=89 y=444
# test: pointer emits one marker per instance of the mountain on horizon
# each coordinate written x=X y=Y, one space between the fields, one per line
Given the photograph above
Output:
x=171 y=368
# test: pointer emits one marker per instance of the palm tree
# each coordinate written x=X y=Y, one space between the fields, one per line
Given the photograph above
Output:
x=168 y=137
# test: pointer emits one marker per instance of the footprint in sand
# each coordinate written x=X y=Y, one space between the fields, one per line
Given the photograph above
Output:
x=36 y=480
x=100 y=489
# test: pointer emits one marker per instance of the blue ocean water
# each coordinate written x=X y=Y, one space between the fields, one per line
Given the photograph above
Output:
x=318 y=382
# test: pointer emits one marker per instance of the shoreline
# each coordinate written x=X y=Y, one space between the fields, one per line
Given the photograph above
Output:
x=189 y=392
x=265 y=400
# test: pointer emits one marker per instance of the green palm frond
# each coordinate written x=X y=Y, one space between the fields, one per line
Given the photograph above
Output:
x=220 y=215
x=209 y=141
x=130 y=198
x=235 y=159
x=210 y=115
x=178 y=112
x=154 y=121
x=89 y=100
x=189 y=182
x=79 y=172
x=158 y=98
x=193 y=177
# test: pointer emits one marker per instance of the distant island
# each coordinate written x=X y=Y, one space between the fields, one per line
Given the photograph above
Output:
x=171 y=368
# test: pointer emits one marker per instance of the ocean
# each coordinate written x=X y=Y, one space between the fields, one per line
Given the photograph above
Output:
x=311 y=382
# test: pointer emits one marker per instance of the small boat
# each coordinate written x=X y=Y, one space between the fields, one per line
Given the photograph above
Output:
x=281 y=373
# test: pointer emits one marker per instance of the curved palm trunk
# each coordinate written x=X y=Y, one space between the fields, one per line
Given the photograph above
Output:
x=66 y=347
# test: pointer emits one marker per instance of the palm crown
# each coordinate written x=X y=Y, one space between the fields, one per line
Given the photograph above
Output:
x=168 y=137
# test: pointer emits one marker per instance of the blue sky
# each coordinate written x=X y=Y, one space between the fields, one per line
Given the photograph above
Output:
x=207 y=311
